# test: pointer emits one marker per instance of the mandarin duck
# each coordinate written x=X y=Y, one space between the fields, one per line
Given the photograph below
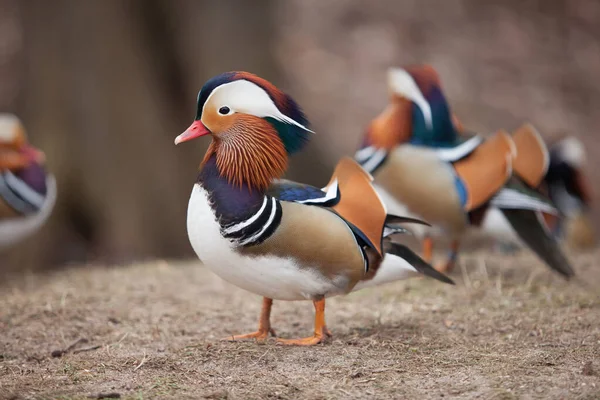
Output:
x=421 y=161
x=568 y=188
x=27 y=191
x=277 y=238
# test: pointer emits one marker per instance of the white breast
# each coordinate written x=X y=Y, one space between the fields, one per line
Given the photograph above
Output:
x=269 y=276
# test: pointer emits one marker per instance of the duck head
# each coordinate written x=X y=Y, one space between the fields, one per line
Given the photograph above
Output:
x=23 y=177
x=254 y=127
x=417 y=111
x=15 y=151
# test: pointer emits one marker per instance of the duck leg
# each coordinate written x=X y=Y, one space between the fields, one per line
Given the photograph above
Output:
x=448 y=266
x=264 y=324
x=321 y=331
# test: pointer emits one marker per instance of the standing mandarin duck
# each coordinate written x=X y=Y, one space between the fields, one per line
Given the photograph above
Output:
x=27 y=192
x=422 y=163
x=281 y=239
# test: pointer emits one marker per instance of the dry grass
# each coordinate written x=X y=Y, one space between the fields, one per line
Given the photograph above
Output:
x=509 y=329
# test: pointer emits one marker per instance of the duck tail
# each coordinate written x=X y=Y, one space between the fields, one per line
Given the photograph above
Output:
x=414 y=260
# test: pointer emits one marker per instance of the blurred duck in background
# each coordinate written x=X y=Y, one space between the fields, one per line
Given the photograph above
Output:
x=569 y=189
x=424 y=162
x=27 y=191
x=277 y=238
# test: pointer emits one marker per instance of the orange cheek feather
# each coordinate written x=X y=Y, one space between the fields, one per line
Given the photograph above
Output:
x=216 y=123
x=249 y=151
x=393 y=126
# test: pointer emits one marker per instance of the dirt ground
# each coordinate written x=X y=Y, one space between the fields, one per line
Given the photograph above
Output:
x=510 y=329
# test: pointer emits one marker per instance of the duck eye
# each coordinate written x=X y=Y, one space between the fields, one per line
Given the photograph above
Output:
x=224 y=110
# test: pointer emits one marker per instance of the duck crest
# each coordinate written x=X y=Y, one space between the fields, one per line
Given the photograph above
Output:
x=293 y=137
x=441 y=132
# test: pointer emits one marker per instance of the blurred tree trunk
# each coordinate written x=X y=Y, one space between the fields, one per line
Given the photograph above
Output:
x=106 y=86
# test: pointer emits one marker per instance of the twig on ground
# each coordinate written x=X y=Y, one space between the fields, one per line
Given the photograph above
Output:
x=100 y=396
x=75 y=343
x=499 y=284
x=484 y=271
x=108 y=346
x=465 y=275
x=378 y=371
x=61 y=352
x=90 y=348
x=141 y=363
x=261 y=357
x=532 y=275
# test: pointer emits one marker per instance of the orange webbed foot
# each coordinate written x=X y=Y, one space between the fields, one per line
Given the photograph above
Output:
x=319 y=337
x=260 y=336
x=321 y=331
x=264 y=325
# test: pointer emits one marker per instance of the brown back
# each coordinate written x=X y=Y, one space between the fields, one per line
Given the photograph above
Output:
x=531 y=161
x=487 y=169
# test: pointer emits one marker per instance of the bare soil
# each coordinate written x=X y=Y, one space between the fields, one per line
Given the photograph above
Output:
x=510 y=329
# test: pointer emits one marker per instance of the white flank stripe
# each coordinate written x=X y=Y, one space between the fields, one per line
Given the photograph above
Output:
x=510 y=198
x=459 y=151
x=363 y=154
x=267 y=225
x=390 y=231
x=331 y=194
x=30 y=195
x=243 y=224
x=12 y=230
x=375 y=160
x=12 y=199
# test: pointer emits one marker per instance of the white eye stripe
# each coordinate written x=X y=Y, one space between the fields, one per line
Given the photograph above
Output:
x=403 y=84
x=8 y=127
x=247 y=97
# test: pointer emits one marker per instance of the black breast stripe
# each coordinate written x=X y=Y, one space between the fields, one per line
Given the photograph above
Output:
x=258 y=227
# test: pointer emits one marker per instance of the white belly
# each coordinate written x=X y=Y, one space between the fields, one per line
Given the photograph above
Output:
x=269 y=276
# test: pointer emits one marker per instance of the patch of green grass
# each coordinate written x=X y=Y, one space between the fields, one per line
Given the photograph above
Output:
x=164 y=386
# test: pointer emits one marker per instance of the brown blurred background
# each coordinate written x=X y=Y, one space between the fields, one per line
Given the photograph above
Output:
x=105 y=86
